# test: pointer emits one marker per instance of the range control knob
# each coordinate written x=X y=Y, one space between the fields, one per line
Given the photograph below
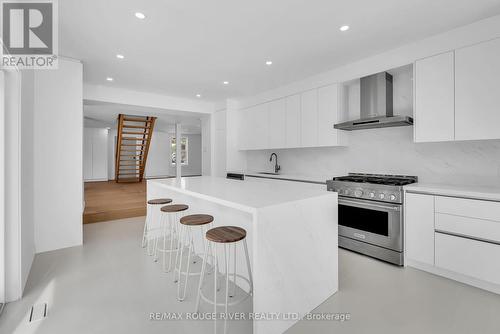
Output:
x=372 y=194
x=392 y=197
x=381 y=196
x=358 y=193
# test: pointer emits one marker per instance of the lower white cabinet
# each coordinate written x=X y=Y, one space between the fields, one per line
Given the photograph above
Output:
x=455 y=237
x=468 y=257
x=419 y=220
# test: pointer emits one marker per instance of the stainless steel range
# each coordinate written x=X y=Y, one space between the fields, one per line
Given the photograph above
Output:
x=371 y=214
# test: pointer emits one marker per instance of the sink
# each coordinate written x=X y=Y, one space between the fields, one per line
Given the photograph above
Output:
x=267 y=173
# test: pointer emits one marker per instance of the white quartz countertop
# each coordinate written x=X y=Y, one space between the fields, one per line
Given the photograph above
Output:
x=250 y=194
x=475 y=192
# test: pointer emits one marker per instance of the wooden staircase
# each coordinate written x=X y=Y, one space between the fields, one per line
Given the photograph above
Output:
x=132 y=146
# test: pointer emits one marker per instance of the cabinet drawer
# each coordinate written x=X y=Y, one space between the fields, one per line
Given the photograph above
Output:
x=472 y=227
x=468 y=257
x=468 y=208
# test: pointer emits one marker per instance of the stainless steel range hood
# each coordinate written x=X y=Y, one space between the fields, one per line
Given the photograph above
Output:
x=376 y=105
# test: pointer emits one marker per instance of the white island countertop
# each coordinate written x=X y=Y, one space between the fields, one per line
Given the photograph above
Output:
x=292 y=237
x=247 y=195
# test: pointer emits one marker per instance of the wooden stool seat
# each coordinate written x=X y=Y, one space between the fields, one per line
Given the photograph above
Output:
x=196 y=220
x=158 y=201
x=174 y=208
x=226 y=234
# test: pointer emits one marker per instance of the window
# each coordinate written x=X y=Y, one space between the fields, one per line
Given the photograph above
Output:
x=184 y=151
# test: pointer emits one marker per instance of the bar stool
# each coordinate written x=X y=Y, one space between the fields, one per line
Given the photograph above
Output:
x=188 y=224
x=225 y=236
x=152 y=209
x=170 y=215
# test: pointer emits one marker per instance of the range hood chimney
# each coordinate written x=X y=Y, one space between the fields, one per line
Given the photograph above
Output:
x=376 y=105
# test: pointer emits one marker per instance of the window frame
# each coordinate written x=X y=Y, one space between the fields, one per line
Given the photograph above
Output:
x=172 y=151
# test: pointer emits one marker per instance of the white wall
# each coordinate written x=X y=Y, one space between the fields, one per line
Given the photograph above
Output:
x=95 y=154
x=145 y=99
x=58 y=156
x=13 y=285
x=194 y=156
x=158 y=163
x=392 y=151
x=219 y=143
x=206 y=145
x=19 y=177
x=385 y=150
x=27 y=174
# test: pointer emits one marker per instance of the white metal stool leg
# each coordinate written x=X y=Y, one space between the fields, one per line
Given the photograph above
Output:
x=187 y=239
x=144 y=233
x=211 y=247
x=168 y=231
x=151 y=242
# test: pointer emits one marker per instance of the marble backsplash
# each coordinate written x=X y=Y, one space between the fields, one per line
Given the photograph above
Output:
x=392 y=151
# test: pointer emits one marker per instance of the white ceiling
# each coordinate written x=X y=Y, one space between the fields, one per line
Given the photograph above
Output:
x=187 y=47
x=102 y=114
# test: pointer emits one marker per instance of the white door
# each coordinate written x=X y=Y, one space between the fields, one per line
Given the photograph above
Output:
x=309 y=118
x=260 y=118
x=477 y=111
x=435 y=98
x=293 y=121
x=419 y=229
x=277 y=123
x=328 y=110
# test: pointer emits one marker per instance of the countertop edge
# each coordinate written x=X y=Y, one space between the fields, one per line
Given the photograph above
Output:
x=231 y=204
x=468 y=192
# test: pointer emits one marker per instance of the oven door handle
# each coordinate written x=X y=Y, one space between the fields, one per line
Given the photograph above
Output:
x=369 y=205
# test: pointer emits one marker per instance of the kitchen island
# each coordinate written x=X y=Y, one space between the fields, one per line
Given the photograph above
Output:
x=291 y=235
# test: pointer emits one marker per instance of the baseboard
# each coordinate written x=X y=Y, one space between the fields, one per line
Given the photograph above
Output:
x=491 y=287
x=96 y=180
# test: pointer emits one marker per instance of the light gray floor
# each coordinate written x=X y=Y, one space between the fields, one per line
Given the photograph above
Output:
x=110 y=286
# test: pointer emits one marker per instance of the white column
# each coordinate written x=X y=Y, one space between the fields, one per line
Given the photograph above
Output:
x=178 y=165
x=2 y=189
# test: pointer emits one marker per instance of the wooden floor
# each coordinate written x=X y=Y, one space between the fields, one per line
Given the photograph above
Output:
x=110 y=200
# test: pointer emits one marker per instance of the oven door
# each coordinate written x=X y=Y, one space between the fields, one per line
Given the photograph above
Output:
x=373 y=222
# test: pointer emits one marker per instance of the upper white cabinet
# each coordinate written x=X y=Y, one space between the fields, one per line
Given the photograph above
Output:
x=434 y=98
x=419 y=228
x=309 y=118
x=328 y=115
x=292 y=131
x=456 y=94
x=254 y=128
x=301 y=120
x=277 y=123
x=477 y=111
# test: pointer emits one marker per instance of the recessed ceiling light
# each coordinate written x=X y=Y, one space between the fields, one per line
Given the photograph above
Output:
x=140 y=15
x=119 y=56
x=226 y=82
x=269 y=63
x=198 y=95
x=109 y=79
x=344 y=28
